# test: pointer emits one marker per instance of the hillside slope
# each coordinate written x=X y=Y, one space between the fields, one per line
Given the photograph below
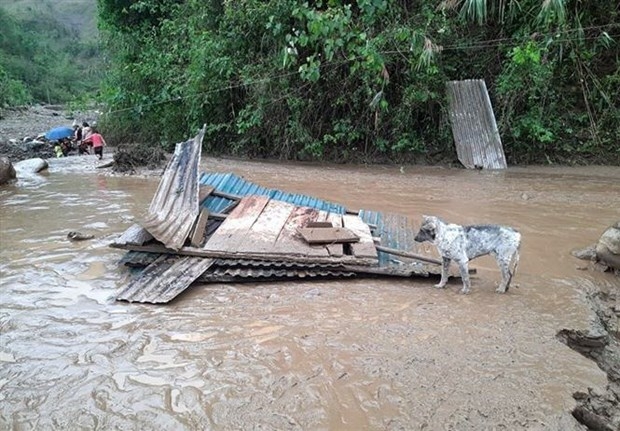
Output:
x=78 y=15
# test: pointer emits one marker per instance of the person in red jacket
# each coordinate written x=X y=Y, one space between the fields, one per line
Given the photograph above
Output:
x=98 y=143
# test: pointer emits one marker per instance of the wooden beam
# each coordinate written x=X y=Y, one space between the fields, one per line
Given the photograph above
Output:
x=201 y=252
x=198 y=234
x=227 y=195
x=403 y=253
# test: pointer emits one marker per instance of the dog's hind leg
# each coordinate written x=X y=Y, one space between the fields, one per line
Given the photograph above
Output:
x=504 y=264
x=445 y=266
x=464 y=270
x=504 y=267
x=515 y=264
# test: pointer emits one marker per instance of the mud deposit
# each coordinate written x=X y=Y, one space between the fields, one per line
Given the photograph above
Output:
x=373 y=354
x=599 y=410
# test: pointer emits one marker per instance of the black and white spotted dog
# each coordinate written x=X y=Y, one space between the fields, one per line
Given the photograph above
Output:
x=464 y=243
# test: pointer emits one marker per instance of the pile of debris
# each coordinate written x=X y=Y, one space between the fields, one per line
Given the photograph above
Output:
x=27 y=149
x=220 y=228
x=128 y=157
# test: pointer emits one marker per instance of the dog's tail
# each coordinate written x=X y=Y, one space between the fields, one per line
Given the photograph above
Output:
x=514 y=263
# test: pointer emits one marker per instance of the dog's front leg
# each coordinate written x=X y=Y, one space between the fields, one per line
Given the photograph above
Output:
x=464 y=270
x=445 y=266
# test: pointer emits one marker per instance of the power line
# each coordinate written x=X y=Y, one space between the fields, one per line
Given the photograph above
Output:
x=490 y=43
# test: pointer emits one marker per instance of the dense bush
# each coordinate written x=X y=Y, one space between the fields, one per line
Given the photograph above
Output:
x=363 y=80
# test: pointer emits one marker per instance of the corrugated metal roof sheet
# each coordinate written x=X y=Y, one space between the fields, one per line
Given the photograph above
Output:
x=174 y=207
x=233 y=184
x=477 y=139
x=222 y=274
x=164 y=279
x=395 y=231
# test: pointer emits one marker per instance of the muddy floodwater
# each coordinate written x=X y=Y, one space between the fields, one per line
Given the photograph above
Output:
x=364 y=354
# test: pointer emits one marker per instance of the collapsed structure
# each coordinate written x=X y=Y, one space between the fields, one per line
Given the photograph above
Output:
x=215 y=227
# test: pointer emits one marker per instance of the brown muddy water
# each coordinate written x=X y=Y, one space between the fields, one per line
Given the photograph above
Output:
x=377 y=354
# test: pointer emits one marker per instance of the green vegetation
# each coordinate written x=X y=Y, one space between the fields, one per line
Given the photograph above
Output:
x=363 y=80
x=44 y=58
x=360 y=80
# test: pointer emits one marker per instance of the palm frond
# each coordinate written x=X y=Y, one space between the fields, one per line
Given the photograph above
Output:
x=475 y=10
x=553 y=11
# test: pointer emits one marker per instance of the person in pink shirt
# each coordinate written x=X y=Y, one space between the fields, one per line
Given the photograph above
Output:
x=98 y=143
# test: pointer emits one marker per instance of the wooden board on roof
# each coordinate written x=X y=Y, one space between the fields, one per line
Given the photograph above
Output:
x=327 y=235
x=259 y=226
x=289 y=241
x=365 y=248
x=237 y=223
x=265 y=232
x=334 y=220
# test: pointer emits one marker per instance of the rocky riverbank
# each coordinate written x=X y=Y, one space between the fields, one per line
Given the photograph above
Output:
x=20 y=127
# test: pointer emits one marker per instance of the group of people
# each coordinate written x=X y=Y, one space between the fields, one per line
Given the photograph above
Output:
x=84 y=137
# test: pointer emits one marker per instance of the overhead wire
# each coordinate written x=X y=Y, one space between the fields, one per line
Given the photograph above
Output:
x=490 y=43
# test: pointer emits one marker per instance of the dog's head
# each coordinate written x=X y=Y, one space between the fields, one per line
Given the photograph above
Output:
x=428 y=230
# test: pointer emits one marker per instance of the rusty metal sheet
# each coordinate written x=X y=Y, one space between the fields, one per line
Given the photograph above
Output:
x=477 y=140
x=175 y=205
x=164 y=279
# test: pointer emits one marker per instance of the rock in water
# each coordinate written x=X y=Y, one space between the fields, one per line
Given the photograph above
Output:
x=608 y=246
x=31 y=166
x=7 y=171
x=78 y=236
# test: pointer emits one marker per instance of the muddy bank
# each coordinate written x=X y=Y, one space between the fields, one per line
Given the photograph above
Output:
x=599 y=410
x=18 y=125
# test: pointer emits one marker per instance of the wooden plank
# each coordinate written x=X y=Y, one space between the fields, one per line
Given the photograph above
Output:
x=264 y=233
x=321 y=255
x=365 y=247
x=198 y=234
x=165 y=279
x=230 y=207
x=236 y=225
x=403 y=253
x=336 y=221
x=319 y=224
x=135 y=235
x=327 y=235
x=227 y=195
x=290 y=242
